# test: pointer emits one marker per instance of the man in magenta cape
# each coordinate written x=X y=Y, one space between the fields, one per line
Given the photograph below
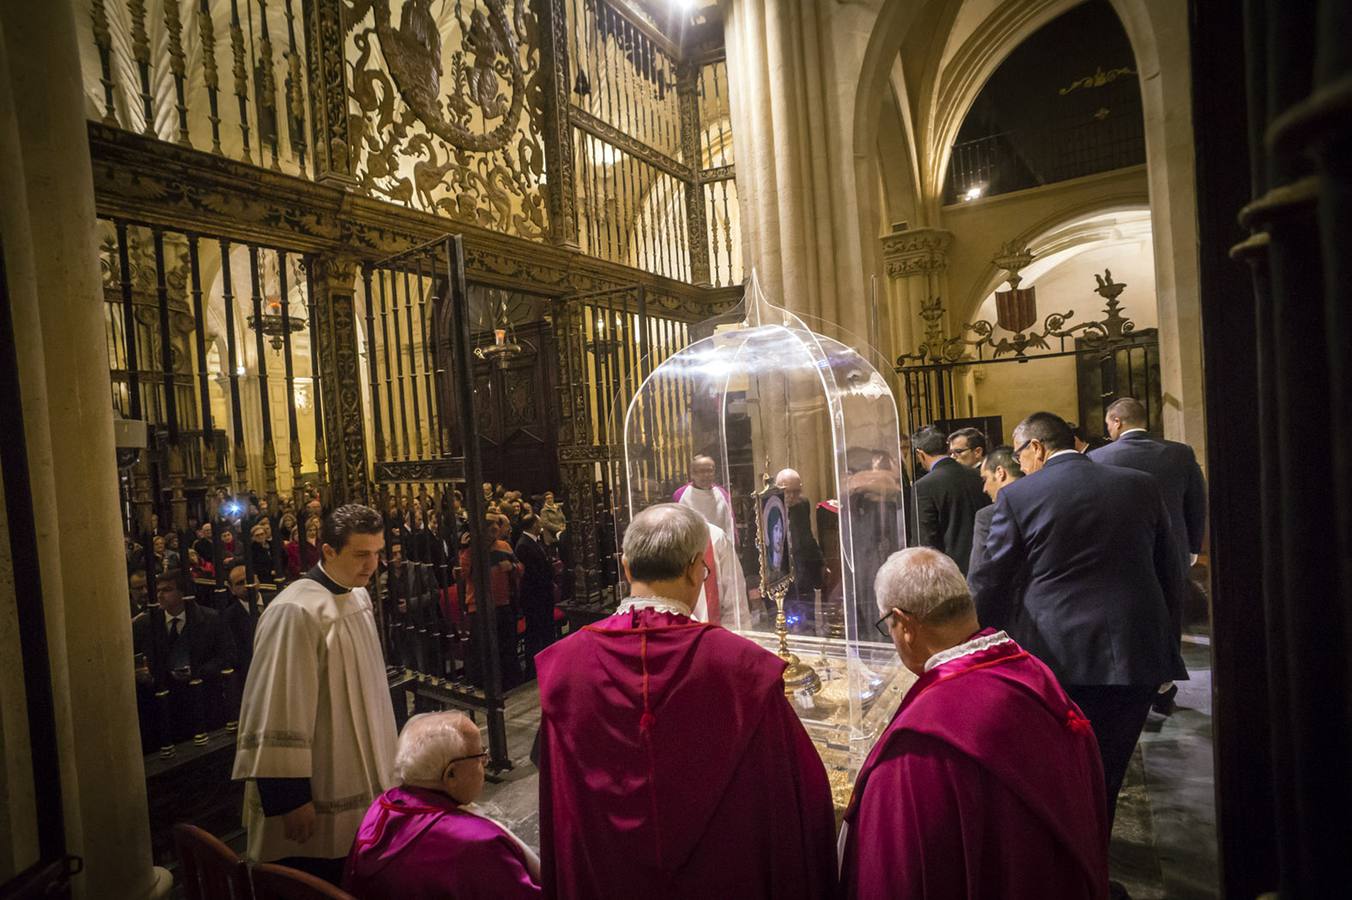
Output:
x=671 y=764
x=988 y=781
x=425 y=839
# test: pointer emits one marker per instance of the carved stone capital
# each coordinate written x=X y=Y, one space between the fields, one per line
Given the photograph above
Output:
x=918 y=251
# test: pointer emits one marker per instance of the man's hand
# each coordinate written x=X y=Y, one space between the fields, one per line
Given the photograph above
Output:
x=299 y=824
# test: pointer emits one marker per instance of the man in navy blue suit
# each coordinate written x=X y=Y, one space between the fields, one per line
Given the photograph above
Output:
x=1080 y=570
x=1180 y=478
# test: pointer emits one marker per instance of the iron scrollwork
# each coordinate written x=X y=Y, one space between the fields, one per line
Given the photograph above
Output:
x=468 y=116
x=976 y=338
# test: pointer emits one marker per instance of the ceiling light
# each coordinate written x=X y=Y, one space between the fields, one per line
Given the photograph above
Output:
x=974 y=193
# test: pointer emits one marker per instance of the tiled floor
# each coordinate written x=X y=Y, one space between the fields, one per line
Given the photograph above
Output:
x=1164 y=839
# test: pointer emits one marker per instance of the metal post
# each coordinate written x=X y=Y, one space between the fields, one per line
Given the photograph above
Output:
x=469 y=429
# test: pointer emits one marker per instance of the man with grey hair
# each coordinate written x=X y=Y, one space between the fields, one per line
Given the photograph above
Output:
x=989 y=782
x=671 y=763
x=426 y=837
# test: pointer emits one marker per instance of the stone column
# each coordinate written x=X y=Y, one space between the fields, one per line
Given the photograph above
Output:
x=340 y=378
x=917 y=262
x=51 y=251
x=792 y=73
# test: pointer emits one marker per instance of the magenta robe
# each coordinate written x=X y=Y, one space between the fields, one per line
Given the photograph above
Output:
x=987 y=783
x=671 y=765
x=416 y=844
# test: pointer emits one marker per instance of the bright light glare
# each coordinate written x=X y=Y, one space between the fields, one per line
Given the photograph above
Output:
x=973 y=193
x=239 y=370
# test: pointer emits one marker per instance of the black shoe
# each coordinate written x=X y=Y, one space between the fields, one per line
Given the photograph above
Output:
x=1164 y=701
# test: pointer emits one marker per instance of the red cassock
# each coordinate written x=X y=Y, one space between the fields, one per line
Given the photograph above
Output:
x=671 y=765
x=987 y=783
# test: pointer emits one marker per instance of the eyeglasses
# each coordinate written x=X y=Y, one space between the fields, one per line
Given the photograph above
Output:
x=1022 y=447
x=958 y=451
x=482 y=757
x=884 y=625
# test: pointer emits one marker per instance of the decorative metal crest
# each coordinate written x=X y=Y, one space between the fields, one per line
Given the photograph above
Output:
x=976 y=338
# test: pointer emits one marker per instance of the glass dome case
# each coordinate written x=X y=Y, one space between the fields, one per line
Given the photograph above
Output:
x=786 y=440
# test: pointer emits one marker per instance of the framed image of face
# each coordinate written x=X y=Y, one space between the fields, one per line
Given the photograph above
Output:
x=776 y=566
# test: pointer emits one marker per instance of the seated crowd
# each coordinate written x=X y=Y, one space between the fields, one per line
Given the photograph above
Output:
x=194 y=616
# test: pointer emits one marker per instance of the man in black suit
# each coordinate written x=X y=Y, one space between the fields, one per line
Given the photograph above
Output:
x=968 y=446
x=240 y=617
x=181 y=642
x=1080 y=570
x=1180 y=479
x=947 y=497
x=537 y=585
x=997 y=470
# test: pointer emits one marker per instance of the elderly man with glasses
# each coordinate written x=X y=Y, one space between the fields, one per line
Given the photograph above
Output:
x=426 y=838
x=671 y=763
x=1081 y=568
x=987 y=781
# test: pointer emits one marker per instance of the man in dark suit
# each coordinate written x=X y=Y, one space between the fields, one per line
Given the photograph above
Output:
x=947 y=497
x=240 y=618
x=803 y=547
x=537 y=585
x=1080 y=570
x=1180 y=479
x=997 y=470
x=181 y=642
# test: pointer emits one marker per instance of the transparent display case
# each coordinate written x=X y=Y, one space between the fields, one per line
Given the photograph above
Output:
x=785 y=438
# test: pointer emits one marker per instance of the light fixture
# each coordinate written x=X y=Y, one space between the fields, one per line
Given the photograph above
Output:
x=974 y=193
x=239 y=370
x=272 y=323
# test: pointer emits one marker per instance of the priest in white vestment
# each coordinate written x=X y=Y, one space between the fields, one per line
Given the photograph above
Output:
x=724 y=586
x=710 y=500
x=316 y=731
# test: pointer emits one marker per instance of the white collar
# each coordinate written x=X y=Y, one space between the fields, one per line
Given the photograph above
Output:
x=1059 y=452
x=1122 y=434
x=529 y=535
x=656 y=604
x=967 y=648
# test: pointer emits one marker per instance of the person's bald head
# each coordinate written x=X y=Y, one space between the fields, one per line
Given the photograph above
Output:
x=791 y=483
x=1125 y=413
x=702 y=471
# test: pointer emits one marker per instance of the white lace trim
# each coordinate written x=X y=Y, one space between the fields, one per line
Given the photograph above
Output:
x=657 y=604
x=975 y=645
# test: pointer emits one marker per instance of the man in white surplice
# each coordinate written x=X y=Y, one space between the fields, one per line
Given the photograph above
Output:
x=316 y=730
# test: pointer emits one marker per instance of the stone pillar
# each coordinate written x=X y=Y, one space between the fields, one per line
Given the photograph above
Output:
x=51 y=249
x=917 y=262
x=340 y=378
x=792 y=75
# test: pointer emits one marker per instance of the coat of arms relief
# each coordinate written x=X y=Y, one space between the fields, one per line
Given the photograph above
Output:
x=444 y=101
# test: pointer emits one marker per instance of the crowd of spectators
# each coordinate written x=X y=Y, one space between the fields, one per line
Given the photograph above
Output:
x=196 y=595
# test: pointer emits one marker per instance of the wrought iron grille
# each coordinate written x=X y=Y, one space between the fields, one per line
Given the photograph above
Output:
x=228 y=77
x=204 y=336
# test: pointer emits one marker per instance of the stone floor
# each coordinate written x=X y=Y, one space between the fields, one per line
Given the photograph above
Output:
x=1164 y=838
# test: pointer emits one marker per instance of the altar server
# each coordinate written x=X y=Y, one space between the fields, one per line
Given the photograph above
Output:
x=723 y=599
x=671 y=763
x=988 y=781
x=316 y=731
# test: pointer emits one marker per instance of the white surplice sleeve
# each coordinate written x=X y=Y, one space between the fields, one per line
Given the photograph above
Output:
x=281 y=696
